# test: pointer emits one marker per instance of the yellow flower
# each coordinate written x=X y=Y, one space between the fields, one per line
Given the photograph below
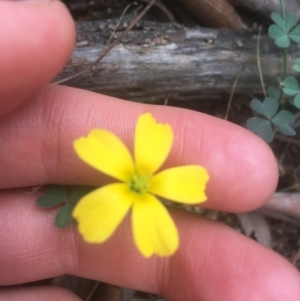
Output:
x=100 y=212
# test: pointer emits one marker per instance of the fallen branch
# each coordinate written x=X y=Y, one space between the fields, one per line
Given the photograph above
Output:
x=157 y=60
x=283 y=206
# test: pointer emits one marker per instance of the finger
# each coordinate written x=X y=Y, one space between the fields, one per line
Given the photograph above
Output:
x=41 y=293
x=36 y=145
x=213 y=261
x=36 y=41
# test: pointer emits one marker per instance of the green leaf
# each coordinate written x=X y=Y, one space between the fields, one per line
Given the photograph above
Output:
x=273 y=92
x=283 y=42
x=55 y=195
x=281 y=37
x=296 y=67
x=282 y=31
x=291 y=86
x=290 y=21
x=297 y=101
x=267 y=108
x=285 y=129
x=277 y=19
x=261 y=127
x=258 y=107
x=64 y=216
x=284 y=116
x=78 y=192
x=276 y=32
x=283 y=121
x=295 y=34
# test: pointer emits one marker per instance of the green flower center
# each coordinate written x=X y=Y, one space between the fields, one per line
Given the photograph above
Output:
x=139 y=183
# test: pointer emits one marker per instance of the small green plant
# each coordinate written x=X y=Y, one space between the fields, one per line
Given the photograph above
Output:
x=280 y=121
x=273 y=115
x=284 y=30
x=64 y=197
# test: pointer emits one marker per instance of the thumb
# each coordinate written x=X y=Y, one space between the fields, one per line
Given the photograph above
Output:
x=37 y=38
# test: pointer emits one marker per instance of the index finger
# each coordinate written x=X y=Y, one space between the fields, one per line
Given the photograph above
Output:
x=37 y=148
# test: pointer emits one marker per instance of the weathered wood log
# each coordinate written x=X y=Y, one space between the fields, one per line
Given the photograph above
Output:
x=156 y=61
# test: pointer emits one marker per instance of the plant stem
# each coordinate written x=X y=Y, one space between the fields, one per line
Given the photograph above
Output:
x=285 y=55
x=284 y=72
x=282 y=5
x=282 y=8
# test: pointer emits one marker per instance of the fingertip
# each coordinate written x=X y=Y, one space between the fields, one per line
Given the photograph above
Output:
x=242 y=167
x=251 y=174
x=264 y=171
x=37 y=39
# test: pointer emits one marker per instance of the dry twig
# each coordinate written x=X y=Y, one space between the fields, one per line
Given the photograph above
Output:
x=258 y=62
x=111 y=46
x=283 y=206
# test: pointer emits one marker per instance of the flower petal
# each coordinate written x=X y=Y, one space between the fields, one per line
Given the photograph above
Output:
x=100 y=212
x=106 y=152
x=153 y=142
x=185 y=184
x=154 y=231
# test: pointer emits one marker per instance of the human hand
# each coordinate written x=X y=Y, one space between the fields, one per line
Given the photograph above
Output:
x=38 y=125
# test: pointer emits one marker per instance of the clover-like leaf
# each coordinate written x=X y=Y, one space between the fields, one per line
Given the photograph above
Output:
x=297 y=101
x=284 y=29
x=283 y=121
x=55 y=195
x=58 y=195
x=273 y=92
x=278 y=20
x=291 y=86
x=295 y=34
x=281 y=38
x=78 y=192
x=296 y=67
x=290 y=21
x=267 y=108
x=261 y=127
x=64 y=216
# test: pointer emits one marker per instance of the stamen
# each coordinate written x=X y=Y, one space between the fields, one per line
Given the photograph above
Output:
x=139 y=183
